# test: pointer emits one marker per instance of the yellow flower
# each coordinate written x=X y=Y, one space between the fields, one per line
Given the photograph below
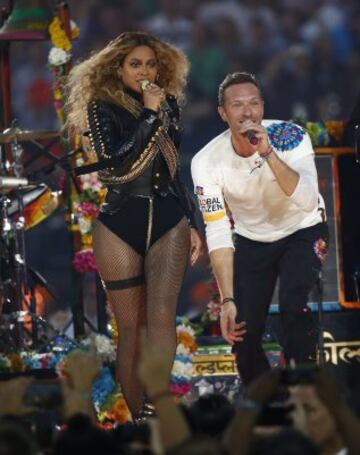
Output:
x=58 y=36
x=57 y=94
x=114 y=329
x=86 y=239
x=102 y=195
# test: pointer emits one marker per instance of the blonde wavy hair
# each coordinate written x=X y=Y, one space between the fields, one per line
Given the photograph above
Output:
x=97 y=77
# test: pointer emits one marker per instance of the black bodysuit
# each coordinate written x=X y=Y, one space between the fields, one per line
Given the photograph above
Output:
x=142 y=210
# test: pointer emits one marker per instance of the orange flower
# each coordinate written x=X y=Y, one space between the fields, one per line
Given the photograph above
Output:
x=335 y=128
x=121 y=411
x=187 y=340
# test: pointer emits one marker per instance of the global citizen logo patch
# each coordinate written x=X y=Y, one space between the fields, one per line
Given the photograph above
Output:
x=212 y=208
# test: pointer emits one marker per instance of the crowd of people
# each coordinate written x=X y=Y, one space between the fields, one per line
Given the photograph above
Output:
x=305 y=54
x=315 y=420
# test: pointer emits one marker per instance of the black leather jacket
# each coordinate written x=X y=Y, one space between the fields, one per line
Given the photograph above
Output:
x=119 y=138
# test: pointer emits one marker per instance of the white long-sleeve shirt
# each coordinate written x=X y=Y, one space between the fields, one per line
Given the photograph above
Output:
x=260 y=209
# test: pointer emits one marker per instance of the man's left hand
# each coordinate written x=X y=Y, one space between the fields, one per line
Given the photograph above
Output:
x=231 y=331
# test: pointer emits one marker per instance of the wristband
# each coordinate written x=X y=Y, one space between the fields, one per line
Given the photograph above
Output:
x=266 y=154
x=264 y=157
x=226 y=300
x=158 y=396
x=252 y=405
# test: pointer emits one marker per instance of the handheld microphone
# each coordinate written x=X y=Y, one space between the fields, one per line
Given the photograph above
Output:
x=250 y=136
x=144 y=83
x=163 y=104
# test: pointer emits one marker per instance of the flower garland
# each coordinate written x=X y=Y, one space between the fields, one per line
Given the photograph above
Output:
x=85 y=206
x=180 y=382
x=182 y=371
x=59 y=60
x=108 y=400
x=324 y=134
x=107 y=396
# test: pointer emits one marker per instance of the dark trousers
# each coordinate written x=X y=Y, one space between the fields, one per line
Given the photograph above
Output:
x=296 y=260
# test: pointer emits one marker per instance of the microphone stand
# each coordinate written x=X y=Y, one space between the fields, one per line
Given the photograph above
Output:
x=319 y=287
x=357 y=143
x=356 y=276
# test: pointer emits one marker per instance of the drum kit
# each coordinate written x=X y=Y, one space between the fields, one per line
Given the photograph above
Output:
x=24 y=204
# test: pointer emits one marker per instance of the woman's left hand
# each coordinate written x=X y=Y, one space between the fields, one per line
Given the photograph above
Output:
x=195 y=246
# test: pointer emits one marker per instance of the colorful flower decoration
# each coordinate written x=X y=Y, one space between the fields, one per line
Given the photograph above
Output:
x=335 y=130
x=102 y=388
x=285 y=135
x=113 y=326
x=85 y=208
x=106 y=393
x=84 y=261
x=59 y=61
x=103 y=345
x=321 y=249
x=108 y=400
x=119 y=410
x=318 y=134
x=180 y=383
x=324 y=134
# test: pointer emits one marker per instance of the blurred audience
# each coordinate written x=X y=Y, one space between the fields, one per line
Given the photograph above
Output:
x=314 y=420
x=220 y=37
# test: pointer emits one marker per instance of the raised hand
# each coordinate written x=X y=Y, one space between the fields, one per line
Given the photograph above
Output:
x=153 y=95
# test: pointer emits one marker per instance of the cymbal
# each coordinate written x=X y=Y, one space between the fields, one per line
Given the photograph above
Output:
x=26 y=135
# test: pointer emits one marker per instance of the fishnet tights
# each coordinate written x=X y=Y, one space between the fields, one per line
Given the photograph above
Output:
x=153 y=305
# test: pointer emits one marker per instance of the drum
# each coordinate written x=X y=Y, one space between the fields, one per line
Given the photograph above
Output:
x=39 y=203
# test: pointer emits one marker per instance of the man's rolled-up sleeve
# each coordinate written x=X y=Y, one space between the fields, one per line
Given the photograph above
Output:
x=306 y=192
x=212 y=206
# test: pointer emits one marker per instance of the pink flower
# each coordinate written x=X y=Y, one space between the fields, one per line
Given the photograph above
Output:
x=84 y=261
x=88 y=209
x=180 y=389
x=213 y=310
x=44 y=361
